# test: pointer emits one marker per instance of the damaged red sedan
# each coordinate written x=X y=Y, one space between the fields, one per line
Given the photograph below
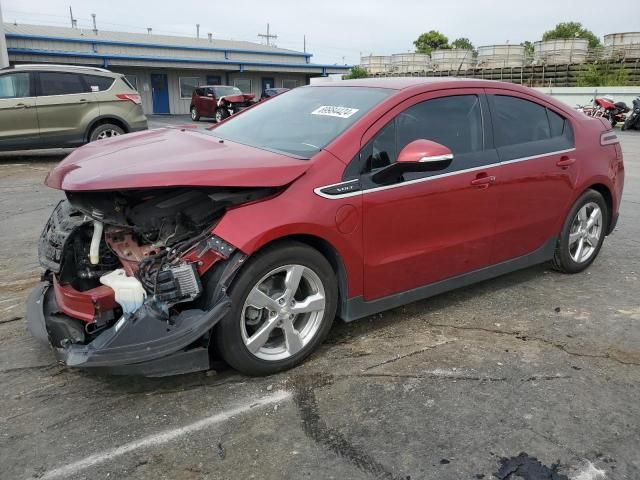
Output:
x=344 y=199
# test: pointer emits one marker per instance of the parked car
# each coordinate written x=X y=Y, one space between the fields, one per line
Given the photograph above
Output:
x=218 y=101
x=49 y=106
x=341 y=199
x=268 y=93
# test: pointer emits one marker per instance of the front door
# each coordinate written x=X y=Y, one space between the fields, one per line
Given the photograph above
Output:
x=214 y=80
x=268 y=82
x=424 y=227
x=538 y=169
x=160 y=93
x=18 y=117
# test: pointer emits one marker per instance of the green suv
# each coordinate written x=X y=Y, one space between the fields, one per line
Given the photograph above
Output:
x=50 y=106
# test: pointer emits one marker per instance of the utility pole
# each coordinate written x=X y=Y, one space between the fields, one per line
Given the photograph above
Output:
x=304 y=44
x=267 y=36
x=197 y=30
x=74 y=22
x=4 y=57
x=95 y=28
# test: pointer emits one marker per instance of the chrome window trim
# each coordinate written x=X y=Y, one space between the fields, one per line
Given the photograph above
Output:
x=318 y=191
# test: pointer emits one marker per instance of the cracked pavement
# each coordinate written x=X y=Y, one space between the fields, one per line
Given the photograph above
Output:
x=448 y=388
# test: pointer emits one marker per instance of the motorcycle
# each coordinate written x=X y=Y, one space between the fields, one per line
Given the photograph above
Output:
x=633 y=121
x=605 y=107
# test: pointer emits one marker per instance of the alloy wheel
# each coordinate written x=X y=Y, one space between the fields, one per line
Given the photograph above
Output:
x=585 y=232
x=283 y=312
x=107 y=134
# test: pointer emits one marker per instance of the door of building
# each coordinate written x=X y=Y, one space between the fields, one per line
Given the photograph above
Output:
x=214 y=80
x=268 y=82
x=160 y=92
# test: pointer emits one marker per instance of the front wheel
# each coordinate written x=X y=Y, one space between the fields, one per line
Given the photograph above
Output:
x=221 y=114
x=582 y=234
x=283 y=304
x=195 y=115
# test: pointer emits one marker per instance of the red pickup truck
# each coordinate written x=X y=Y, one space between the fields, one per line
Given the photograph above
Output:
x=218 y=101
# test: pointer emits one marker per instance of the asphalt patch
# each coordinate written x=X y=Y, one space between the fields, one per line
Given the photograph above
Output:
x=527 y=468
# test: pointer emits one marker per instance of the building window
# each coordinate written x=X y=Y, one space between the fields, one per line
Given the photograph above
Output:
x=188 y=85
x=243 y=84
x=288 y=83
x=133 y=81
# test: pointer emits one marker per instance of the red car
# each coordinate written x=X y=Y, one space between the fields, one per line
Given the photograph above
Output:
x=343 y=199
x=218 y=101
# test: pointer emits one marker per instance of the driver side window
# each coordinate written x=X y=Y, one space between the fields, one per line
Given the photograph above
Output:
x=454 y=121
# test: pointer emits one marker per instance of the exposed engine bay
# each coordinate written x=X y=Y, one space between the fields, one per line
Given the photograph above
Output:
x=114 y=257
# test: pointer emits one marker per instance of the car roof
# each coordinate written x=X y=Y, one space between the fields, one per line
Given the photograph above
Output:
x=216 y=86
x=401 y=83
x=55 y=67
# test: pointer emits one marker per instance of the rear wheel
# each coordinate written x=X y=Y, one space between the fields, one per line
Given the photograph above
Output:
x=582 y=234
x=283 y=304
x=195 y=115
x=106 y=130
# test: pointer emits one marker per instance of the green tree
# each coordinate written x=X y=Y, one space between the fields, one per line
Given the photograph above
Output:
x=356 y=72
x=429 y=41
x=571 y=30
x=462 y=42
x=528 y=48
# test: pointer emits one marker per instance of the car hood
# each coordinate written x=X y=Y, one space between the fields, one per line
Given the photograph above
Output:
x=172 y=157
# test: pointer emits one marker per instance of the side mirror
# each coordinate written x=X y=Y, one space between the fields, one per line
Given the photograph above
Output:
x=418 y=156
x=425 y=153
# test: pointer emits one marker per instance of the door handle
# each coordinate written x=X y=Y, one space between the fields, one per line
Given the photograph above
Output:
x=565 y=162
x=21 y=105
x=483 y=181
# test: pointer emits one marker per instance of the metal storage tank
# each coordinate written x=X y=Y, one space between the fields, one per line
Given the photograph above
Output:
x=410 y=62
x=500 y=56
x=622 y=45
x=561 y=51
x=452 y=59
x=376 y=63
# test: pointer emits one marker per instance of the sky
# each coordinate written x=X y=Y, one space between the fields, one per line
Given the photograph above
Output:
x=337 y=31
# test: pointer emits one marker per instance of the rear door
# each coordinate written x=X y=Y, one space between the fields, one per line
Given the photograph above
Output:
x=429 y=226
x=18 y=116
x=65 y=107
x=538 y=169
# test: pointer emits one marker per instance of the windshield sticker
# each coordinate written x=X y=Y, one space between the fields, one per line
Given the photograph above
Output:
x=331 y=111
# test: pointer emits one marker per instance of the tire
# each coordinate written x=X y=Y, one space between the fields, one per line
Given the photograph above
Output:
x=278 y=351
x=614 y=123
x=567 y=259
x=106 y=130
x=221 y=114
x=195 y=115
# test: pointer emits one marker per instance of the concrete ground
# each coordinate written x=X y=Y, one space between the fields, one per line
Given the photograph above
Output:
x=534 y=375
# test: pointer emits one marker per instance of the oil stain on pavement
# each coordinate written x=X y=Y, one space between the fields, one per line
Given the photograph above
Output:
x=527 y=468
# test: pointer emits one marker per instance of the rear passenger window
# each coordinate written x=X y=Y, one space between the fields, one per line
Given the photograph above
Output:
x=518 y=121
x=97 y=83
x=60 y=83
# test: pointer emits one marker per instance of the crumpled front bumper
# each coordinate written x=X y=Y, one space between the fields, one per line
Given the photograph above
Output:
x=143 y=344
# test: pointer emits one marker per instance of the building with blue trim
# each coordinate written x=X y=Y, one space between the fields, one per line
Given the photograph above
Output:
x=165 y=69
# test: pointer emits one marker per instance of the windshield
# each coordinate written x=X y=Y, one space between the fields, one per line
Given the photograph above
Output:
x=302 y=121
x=226 y=91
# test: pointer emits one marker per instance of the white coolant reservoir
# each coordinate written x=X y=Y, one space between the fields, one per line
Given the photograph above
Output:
x=129 y=291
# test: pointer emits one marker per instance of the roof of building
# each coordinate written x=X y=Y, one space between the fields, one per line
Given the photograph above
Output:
x=142 y=38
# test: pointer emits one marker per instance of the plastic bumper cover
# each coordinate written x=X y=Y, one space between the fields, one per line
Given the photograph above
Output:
x=143 y=343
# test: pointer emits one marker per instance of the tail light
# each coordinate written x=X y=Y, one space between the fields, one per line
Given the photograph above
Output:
x=608 y=137
x=133 y=97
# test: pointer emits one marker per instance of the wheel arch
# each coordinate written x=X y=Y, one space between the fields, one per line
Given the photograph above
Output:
x=327 y=250
x=603 y=190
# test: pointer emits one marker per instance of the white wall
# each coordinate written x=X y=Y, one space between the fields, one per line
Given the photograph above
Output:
x=574 y=96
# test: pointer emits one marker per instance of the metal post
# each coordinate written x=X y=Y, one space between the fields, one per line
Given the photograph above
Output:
x=197 y=30
x=4 y=57
x=95 y=28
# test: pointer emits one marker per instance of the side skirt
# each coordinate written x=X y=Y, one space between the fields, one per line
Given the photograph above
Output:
x=356 y=307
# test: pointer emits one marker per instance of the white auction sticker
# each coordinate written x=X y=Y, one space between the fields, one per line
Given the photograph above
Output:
x=332 y=111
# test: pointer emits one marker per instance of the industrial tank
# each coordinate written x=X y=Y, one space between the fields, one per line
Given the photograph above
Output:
x=410 y=62
x=376 y=63
x=560 y=51
x=452 y=59
x=500 y=56
x=622 y=45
